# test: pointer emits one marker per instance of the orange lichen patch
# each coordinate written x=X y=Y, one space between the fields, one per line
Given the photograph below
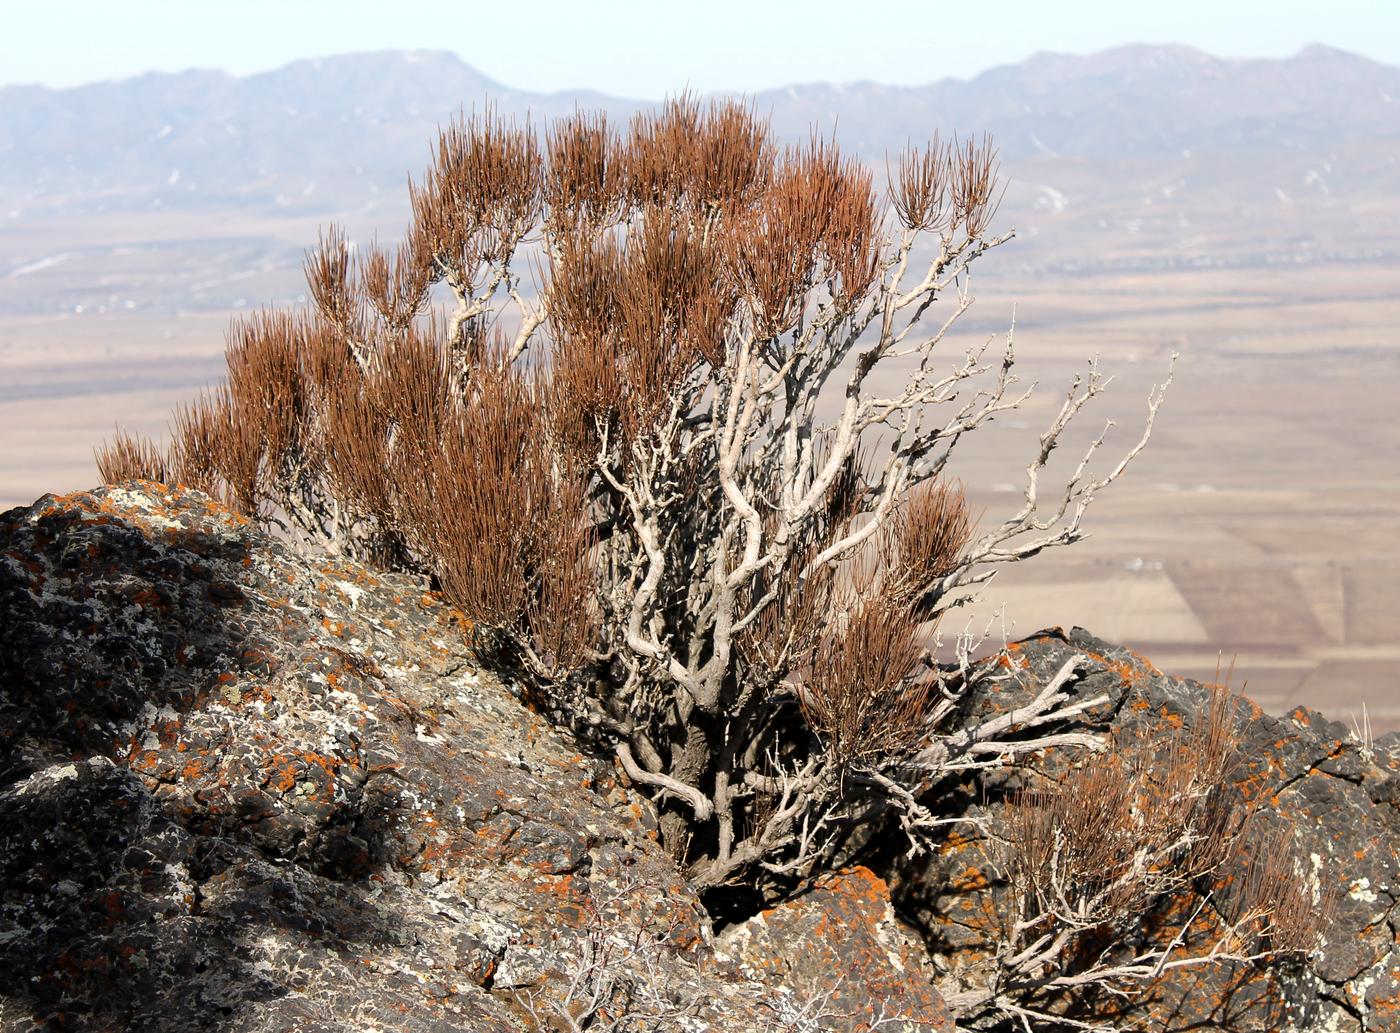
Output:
x=150 y=597
x=113 y=905
x=1142 y=660
x=68 y=962
x=26 y=561
x=1299 y=716
x=954 y=842
x=1127 y=673
x=349 y=572
x=327 y=764
x=561 y=891
x=1385 y=1000
x=456 y=619
x=336 y=628
x=1198 y=1004
x=1255 y=785
x=247 y=694
x=194 y=768
x=489 y=840
x=282 y=773
x=1255 y=710
x=861 y=883
x=434 y=851
x=969 y=879
x=256 y=655
x=356 y=663
x=167 y=732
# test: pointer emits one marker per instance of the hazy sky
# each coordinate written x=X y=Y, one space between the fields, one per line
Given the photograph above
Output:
x=648 y=49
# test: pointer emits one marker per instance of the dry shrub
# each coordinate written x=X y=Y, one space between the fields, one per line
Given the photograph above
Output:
x=924 y=541
x=663 y=484
x=586 y=179
x=479 y=198
x=862 y=693
x=503 y=523
x=1155 y=820
x=866 y=686
x=196 y=448
x=267 y=389
x=1293 y=909
x=618 y=470
x=697 y=159
x=919 y=189
x=355 y=447
x=131 y=457
x=816 y=221
x=1143 y=819
x=216 y=450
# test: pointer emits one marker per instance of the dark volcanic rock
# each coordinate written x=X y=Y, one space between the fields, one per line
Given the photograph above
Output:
x=241 y=791
x=1335 y=795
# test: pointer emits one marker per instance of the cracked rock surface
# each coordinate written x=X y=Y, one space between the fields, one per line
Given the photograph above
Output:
x=1337 y=797
x=242 y=791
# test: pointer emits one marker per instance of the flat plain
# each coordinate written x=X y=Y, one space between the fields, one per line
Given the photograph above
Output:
x=1261 y=527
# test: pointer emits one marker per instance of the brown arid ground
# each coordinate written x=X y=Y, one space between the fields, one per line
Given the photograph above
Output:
x=1261 y=528
x=1262 y=525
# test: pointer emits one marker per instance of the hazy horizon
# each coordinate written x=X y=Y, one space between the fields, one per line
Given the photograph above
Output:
x=631 y=50
x=587 y=88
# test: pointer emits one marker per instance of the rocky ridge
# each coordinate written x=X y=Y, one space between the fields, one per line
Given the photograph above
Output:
x=1336 y=797
x=241 y=790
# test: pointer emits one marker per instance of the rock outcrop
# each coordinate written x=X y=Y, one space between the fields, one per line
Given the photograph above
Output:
x=1337 y=796
x=244 y=791
x=241 y=791
x=840 y=944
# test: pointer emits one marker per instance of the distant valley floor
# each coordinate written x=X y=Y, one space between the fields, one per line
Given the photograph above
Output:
x=1262 y=524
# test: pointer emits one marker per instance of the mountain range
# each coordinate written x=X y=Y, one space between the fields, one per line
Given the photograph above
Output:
x=317 y=134
x=1140 y=157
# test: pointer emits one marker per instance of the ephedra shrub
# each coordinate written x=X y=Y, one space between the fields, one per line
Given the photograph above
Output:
x=675 y=442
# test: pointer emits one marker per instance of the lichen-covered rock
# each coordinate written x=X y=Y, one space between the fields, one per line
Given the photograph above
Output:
x=840 y=947
x=242 y=791
x=1337 y=796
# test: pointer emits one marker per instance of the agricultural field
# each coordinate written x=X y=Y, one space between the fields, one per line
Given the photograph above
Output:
x=1261 y=526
